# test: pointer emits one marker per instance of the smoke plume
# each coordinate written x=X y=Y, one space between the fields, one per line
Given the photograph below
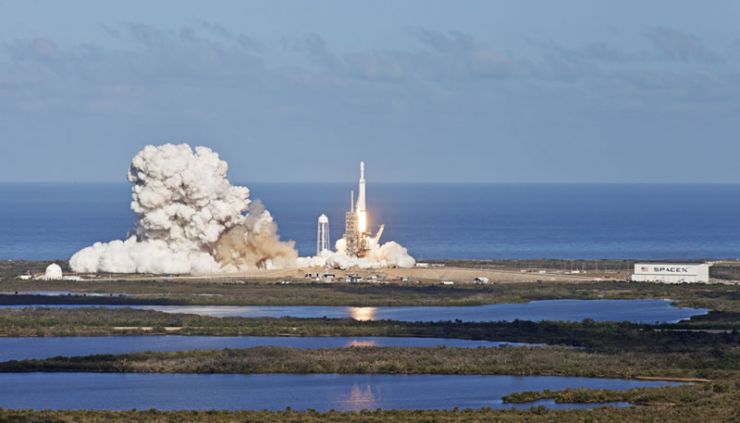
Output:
x=254 y=244
x=390 y=254
x=190 y=220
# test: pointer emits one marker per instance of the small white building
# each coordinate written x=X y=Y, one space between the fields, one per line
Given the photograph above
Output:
x=671 y=273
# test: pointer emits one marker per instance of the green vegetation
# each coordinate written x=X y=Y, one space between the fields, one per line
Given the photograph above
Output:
x=639 y=396
x=727 y=271
x=598 y=336
x=552 y=361
x=716 y=297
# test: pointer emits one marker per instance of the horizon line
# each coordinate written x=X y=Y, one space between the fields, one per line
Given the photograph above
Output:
x=236 y=181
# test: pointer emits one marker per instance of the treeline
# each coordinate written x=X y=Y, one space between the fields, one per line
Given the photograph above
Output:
x=84 y=299
x=639 y=396
x=520 y=361
x=703 y=408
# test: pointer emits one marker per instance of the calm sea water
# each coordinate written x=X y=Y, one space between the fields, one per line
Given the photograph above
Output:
x=434 y=221
x=95 y=391
x=45 y=347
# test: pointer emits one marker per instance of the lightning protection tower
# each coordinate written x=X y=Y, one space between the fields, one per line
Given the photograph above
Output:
x=322 y=235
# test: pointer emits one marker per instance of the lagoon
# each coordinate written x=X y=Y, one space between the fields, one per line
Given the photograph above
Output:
x=637 y=311
x=116 y=391
x=46 y=347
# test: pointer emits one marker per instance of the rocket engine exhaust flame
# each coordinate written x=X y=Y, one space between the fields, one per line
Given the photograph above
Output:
x=362 y=222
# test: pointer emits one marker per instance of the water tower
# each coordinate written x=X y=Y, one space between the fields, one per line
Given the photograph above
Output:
x=322 y=235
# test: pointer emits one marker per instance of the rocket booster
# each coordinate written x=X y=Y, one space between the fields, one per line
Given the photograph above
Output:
x=360 y=209
x=361 y=191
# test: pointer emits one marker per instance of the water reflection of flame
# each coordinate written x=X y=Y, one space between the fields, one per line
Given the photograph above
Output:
x=363 y=313
x=361 y=398
x=365 y=343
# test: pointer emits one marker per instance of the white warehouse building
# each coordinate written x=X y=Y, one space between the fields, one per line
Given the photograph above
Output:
x=671 y=273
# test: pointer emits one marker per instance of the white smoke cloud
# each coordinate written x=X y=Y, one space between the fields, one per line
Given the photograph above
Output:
x=190 y=220
x=390 y=254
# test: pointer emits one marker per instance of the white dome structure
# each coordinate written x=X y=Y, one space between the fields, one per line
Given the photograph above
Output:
x=53 y=272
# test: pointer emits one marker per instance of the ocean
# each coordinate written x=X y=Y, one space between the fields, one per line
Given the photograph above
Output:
x=434 y=221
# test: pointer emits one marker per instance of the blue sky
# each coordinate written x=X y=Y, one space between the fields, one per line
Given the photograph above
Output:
x=504 y=91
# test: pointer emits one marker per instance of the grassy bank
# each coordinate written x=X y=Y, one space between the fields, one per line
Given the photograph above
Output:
x=549 y=361
x=639 y=396
x=726 y=270
x=684 y=404
x=716 y=297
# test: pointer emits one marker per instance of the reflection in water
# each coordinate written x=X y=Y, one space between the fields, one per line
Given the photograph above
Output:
x=119 y=391
x=361 y=398
x=638 y=311
x=363 y=343
x=363 y=313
